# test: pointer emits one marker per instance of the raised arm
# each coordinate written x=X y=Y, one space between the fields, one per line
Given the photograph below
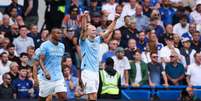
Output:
x=111 y=27
x=85 y=19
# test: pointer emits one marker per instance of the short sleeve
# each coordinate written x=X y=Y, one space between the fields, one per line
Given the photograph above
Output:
x=161 y=53
x=127 y=65
x=82 y=42
x=161 y=68
x=43 y=49
x=37 y=54
x=99 y=39
x=188 y=71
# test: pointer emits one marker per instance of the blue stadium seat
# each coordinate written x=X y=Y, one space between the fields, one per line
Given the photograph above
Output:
x=168 y=95
x=137 y=95
x=197 y=93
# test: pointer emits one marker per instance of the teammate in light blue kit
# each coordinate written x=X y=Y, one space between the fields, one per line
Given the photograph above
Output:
x=89 y=43
x=50 y=75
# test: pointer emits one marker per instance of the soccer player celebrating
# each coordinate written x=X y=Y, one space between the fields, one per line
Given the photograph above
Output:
x=50 y=75
x=89 y=43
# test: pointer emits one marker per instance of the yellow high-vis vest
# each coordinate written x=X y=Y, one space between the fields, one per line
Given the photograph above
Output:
x=110 y=83
x=61 y=9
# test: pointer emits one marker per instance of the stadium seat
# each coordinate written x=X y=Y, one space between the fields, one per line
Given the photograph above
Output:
x=137 y=95
x=168 y=95
x=197 y=93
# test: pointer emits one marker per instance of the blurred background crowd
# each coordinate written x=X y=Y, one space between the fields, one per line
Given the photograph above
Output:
x=155 y=42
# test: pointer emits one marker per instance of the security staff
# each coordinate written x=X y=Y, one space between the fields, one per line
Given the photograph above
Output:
x=110 y=81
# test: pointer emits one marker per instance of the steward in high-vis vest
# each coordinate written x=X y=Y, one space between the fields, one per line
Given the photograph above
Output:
x=110 y=81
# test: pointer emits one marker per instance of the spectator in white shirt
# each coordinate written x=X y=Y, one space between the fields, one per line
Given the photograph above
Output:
x=194 y=71
x=4 y=64
x=129 y=8
x=109 y=8
x=166 y=51
x=121 y=65
x=22 y=42
x=182 y=26
x=196 y=14
x=120 y=21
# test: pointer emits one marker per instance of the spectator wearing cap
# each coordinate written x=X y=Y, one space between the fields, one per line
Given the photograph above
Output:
x=182 y=26
x=195 y=15
x=6 y=90
x=23 y=41
x=168 y=31
x=70 y=41
x=195 y=43
x=142 y=20
x=175 y=71
x=113 y=44
x=166 y=12
x=122 y=66
x=192 y=29
x=187 y=52
x=130 y=33
x=194 y=71
x=4 y=65
x=138 y=74
x=129 y=51
x=166 y=51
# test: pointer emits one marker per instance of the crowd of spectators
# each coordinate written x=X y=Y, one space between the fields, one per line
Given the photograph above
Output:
x=155 y=42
